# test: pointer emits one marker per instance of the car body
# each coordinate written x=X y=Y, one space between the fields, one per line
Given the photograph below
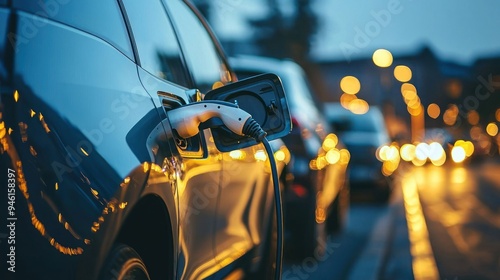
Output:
x=317 y=193
x=363 y=134
x=99 y=182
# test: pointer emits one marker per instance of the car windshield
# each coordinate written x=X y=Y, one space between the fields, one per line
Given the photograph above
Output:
x=359 y=123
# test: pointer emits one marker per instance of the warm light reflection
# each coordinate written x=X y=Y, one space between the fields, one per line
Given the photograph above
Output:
x=402 y=73
x=16 y=95
x=359 y=106
x=260 y=155
x=24 y=131
x=84 y=152
x=421 y=151
x=435 y=151
x=407 y=152
x=3 y=131
x=433 y=110
x=279 y=155
x=497 y=115
x=475 y=132
x=390 y=157
x=330 y=142
x=454 y=88
x=237 y=154
x=458 y=175
x=414 y=103
x=33 y=151
x=416 y=110
x=346 y=99
x=44 y=124
x=439 y=161
x=345 y=156
x=382 y=58
x=332 y=156
x=283 y=154
x=350 y=85
x=492 y=129
x=468 y=147
x=418 y=162
x=473 y=117
x=217 y=85
x=409 y=91
x=423 y=262
x=450 y=115
x=458 y=154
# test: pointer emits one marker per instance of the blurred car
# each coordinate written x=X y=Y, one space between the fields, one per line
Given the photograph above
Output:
x=107 y=172
x=364 y=136
x=316 y=197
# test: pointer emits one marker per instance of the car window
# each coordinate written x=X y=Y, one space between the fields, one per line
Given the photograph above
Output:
x=156 y=43
x=206 y=66
x=106 y=21
x=351 y=122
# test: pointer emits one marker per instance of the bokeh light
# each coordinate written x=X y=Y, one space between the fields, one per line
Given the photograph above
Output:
x=433 y=110
x=407 y=152
x=450 y=115
x=359 y=106
x=402 y=73
x=458 y=154
x=346 y=99
x=492 y=129
x=382 y=58
x=473 y=117
x=350 y=85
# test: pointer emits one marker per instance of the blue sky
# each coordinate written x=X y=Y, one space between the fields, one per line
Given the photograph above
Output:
x=457 y=30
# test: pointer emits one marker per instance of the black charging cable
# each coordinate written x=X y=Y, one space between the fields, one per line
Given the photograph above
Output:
x=253 y=129
x=279 y=212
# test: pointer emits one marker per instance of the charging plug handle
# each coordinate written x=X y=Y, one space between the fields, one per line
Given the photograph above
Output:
x=187 y=119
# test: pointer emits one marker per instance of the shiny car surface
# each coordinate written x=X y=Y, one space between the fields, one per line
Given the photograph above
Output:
x=316 y=197
x=99 y=180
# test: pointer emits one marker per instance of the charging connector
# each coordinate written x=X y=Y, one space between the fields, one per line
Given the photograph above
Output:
x=186 y=121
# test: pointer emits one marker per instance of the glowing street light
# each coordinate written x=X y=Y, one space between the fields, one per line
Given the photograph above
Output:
x=402 y=73
x=433 y=110
x=350 y=85
x=382 y=58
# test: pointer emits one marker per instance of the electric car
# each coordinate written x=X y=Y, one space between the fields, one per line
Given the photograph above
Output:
x=316 y=197
x=124 y=152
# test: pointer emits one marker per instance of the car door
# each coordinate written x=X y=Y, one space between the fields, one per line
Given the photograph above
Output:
x=245 y=176
x=164 y=75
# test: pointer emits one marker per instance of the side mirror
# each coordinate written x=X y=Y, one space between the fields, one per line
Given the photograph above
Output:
x=261 y=96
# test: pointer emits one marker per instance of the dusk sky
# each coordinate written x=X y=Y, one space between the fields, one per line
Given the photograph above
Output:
x=456 y=30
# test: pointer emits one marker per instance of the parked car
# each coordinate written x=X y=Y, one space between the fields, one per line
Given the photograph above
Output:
x=363 y=134
x=317 y=195
x=109 y=156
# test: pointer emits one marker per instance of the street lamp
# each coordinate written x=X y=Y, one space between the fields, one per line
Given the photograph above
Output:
x=382 y=58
